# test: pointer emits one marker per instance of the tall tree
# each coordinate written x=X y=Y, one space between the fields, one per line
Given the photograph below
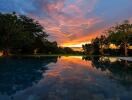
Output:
x=121 y=34
x=9 y=24
x=17 y=31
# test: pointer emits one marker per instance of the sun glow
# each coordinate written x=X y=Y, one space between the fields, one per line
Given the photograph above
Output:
x=74 y=45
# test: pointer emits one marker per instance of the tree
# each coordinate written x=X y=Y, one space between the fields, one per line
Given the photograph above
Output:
x=103 y=42
x=99 y=43
x=18 y=31
x=68 y=50
x=121 y=34
x=96 y=46
x=8 y=26
x=87 y=49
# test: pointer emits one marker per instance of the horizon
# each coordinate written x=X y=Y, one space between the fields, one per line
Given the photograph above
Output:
x=72 y=22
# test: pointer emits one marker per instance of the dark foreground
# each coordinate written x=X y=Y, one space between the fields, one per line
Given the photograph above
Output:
x=65 y=78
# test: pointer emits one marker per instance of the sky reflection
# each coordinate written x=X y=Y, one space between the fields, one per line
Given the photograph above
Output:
x=72 y=78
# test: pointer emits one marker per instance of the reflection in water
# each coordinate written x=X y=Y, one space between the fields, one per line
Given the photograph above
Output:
x=70 y=78
x=120 y=70
x=19 y=73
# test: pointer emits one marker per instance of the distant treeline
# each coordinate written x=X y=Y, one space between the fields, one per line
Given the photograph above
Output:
x=119 y=35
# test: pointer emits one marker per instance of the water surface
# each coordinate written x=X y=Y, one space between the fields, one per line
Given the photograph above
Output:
x=65 y=78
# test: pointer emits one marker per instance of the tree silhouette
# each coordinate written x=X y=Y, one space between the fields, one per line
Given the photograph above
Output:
x=18 y=31
x=121 y=35
x=96 y=46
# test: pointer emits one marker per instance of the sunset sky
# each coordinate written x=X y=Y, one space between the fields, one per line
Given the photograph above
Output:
x=72 y=22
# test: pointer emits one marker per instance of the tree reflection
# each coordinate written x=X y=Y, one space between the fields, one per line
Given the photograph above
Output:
x=120 y=70
x=19 y=73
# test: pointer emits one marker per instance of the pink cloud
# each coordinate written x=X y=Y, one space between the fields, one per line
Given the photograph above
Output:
x=54 y=7
x=73 y=10
x=68 y=23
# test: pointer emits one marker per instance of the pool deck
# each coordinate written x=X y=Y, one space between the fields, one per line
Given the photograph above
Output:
x=125 y=58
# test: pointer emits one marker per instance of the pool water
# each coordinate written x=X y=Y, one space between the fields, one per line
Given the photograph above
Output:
x=65 y=78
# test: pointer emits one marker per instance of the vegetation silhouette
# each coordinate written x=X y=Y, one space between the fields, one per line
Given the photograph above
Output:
x=19 y=31
x=119 y=35
x=20 y=34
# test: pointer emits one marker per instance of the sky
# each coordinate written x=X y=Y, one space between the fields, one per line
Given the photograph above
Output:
x=72 y=22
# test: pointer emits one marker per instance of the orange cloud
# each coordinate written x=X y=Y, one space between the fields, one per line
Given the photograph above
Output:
x=82 y=40
x=67 y=24
x=69 y=30
x=72 y=22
